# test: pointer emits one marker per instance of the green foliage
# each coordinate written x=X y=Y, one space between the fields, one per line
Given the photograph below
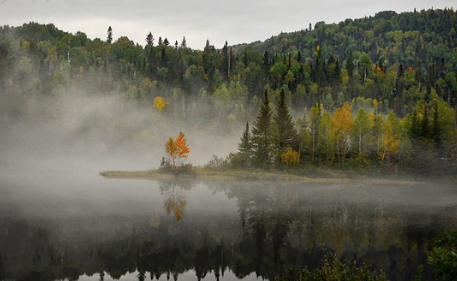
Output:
x=286 y=133
x=443 y=256
x=245 y=148
x=261 y=135
x=333 y=269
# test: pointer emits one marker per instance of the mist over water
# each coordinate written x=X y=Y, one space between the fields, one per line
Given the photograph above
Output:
x=65 y=221
x=60 y=220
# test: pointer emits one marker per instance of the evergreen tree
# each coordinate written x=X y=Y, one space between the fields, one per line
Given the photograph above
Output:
x=245 y=147
x=350 y=66
x=424 y=124
x=184 y=43
x=109 y=39
x=150 y=39
x=436 y=127
x=226 y=62
x=261 y=138
x=286 y=133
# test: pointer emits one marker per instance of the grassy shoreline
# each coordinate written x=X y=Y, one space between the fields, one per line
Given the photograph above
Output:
x=320 y=176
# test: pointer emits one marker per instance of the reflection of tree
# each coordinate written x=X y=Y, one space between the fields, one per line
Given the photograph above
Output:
x=281 y=229
x=175 y=201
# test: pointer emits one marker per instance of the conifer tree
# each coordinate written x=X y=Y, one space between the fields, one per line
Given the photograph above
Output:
x=109 y=39
x=424 y=124
x=287 y=134
x=261 y=135
x=315 y=117
x=245 y=146
x=150 y=39
x=184 y=43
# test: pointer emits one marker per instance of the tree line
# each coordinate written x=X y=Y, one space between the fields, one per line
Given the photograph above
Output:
x=353 y=135
x=405 y=62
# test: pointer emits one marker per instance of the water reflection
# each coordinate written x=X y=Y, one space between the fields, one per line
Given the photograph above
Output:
x=210 y=230
x=175 y=201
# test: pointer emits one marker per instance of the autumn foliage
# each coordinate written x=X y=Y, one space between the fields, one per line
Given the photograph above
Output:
x=159 y=103
x=290 y=157
x=177 y=150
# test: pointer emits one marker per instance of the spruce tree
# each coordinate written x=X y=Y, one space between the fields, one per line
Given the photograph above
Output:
x=245 y=146
x=287 y=134
x=109 y=39
x=150 y=39
x=436 y=127
x=424 y=124
x=184 y=43
x=261 y=134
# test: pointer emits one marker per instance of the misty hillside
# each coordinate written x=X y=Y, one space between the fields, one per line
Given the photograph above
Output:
x=395 y=65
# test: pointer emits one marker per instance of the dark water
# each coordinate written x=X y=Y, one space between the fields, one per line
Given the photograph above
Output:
x=58 y=224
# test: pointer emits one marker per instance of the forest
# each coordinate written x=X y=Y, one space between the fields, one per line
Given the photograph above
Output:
x=378 y=92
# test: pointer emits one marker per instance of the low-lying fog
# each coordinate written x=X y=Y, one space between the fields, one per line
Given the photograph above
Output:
x=59 y=219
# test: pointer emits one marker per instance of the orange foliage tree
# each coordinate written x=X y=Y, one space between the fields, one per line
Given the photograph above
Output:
x=177 y=150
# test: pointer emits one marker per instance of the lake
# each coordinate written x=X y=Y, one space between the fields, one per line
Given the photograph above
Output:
x=61 y=223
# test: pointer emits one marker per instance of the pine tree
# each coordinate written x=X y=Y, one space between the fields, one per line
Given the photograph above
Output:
x=424 y=124
x=109 y=39
x=436 y=126
x=150 y=39
x=245 y=146
x=287 y=134
x=184 y=43
x=261 y=134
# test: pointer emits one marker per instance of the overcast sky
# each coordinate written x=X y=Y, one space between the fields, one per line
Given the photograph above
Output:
x=237 y=21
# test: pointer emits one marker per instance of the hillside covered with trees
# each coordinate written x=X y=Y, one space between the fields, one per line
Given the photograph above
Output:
x=377 y=91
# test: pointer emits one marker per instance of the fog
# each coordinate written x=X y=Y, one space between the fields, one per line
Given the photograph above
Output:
x=78 y=126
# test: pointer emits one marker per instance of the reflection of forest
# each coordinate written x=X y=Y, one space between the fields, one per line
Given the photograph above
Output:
x=275 y=227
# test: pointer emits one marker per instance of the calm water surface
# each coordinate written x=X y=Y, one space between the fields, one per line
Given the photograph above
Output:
x=71 y=224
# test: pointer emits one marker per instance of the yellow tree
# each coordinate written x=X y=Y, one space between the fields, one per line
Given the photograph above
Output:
x=342 y=126
x=290 y=157
x=159 y=103
x=390 y=141
x=177 y=150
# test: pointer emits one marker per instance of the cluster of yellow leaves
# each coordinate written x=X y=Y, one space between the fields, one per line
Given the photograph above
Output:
x=290 y=157
x=389 y=142
x=159 y=103
x=342 y=121
x=342 y=126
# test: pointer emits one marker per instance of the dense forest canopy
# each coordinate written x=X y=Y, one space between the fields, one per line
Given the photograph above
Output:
x=399 y=68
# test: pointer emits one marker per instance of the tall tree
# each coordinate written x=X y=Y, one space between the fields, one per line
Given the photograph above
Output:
x=361 y=131
x=342 y=126
x=315 y=120
x=261 y=134
x=109 y=38
x=286 y=133
x=245 y=146
x=150 y=39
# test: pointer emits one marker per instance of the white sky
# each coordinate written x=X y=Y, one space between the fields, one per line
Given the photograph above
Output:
x=237 y=21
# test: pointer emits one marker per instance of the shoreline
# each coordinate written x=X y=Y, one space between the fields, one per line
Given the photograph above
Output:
x=202 y=174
